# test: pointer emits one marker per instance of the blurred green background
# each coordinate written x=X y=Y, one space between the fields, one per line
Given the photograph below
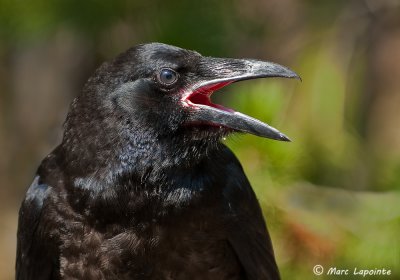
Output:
x=330 y=197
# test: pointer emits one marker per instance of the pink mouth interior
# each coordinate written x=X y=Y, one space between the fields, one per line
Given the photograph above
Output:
x=202 y=96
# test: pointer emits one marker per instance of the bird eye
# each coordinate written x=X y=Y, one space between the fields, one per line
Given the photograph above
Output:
x=167 y=76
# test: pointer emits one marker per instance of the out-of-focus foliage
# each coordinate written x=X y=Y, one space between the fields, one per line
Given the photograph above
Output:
x=330 y=197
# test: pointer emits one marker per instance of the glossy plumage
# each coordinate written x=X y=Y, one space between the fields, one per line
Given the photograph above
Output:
x=136 y=191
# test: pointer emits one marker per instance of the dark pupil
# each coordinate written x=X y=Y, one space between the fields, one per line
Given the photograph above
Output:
x=167 y=76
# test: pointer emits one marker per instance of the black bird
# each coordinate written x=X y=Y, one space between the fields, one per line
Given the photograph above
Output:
x=141 y=186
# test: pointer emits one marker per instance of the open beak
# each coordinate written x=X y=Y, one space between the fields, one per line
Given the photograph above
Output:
x=216 y=73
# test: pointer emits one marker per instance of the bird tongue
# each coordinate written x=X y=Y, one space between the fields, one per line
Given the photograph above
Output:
x=202 y=96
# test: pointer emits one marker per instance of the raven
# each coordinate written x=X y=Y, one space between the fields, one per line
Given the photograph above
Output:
x=141 y=186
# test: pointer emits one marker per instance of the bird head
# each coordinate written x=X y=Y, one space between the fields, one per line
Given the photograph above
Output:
x=167 y=90
x=153 y=95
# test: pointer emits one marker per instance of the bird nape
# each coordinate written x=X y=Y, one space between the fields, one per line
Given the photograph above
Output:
x=141 y=186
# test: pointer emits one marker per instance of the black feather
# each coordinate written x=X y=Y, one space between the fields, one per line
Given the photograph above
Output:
x=137 y=190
